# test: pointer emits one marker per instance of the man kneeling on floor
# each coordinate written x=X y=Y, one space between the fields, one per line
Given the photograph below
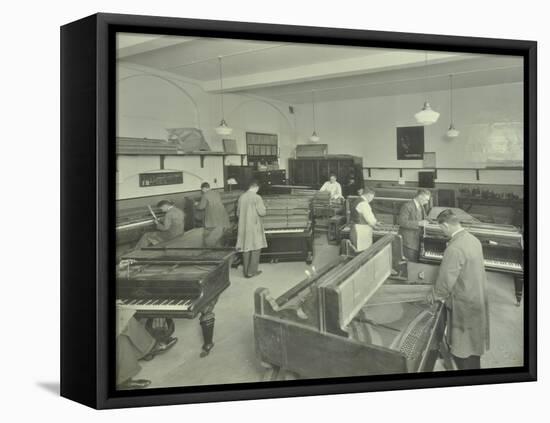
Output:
x=134 y=343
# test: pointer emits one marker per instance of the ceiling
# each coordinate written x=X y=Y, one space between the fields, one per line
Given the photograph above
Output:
x=290 y=72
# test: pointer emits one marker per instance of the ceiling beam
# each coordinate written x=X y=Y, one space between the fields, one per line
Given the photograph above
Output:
x=333 y=69
x=149 y=43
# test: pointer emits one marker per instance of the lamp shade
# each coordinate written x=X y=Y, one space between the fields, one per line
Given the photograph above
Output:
x=314 y=137
x=223 y=129
x=231 y=181
x=426 y=116
x=453 y=132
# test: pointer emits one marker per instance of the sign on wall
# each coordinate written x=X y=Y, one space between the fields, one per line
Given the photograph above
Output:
x=160 y=178
x=410 y=143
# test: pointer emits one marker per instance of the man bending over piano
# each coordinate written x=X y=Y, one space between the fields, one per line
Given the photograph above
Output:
x=462 y=285
x=412 y=218
x=334 y=187
x=170 y=228
x=251 y=236
x=134 y=343
x=216 y=219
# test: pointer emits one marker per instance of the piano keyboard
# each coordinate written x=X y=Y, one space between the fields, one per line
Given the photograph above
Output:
x=162 y=304
x=284 y=231
x=135 y=224
x=497 y=264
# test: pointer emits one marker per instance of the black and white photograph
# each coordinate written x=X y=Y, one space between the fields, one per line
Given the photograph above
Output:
x=289 y=211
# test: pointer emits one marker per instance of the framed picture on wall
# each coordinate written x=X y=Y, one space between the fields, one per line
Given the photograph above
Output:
x=429 y=160
x=167 y=255
x=410 y=143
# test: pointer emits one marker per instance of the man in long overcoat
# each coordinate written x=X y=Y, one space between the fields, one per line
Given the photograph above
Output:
x=251 y=237
x=462 y=285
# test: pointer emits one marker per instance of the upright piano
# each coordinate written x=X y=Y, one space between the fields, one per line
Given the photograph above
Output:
x=502 y=248
x=288 y=230
x=344 y=230
x=359 y=315
x=174 y=282
x=132 y=223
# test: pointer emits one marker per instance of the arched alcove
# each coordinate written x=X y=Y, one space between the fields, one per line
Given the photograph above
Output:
x=148 y=104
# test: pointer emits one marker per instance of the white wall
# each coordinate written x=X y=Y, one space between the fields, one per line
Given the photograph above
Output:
x=367 y=128
x=150 y=103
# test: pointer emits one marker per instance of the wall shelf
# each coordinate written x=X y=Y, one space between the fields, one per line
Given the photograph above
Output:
x=369 y=169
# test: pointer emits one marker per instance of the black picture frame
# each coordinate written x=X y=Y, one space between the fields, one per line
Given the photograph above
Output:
x=88 y=179
x=410 y=142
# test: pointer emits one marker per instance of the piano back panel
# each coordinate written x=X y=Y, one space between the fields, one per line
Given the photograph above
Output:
x=313 y=354
x=355 y=290
x=345 y=290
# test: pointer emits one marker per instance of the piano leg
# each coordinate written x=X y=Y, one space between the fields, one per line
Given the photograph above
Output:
x=309 y=246
x=207 y=320
x=518 y=285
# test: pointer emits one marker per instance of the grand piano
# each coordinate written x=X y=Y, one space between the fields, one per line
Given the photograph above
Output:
x=166 y=282
x=359 y=315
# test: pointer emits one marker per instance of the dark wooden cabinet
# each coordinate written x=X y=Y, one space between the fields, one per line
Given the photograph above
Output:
x=242 y=174
x=245 y=174
x=315 y=171
x=268 y=178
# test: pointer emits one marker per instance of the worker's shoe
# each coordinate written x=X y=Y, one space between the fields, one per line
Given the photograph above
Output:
x=160 y=348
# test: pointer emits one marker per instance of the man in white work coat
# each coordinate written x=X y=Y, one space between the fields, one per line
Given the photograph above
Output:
x=333 y=187
x=362 y=230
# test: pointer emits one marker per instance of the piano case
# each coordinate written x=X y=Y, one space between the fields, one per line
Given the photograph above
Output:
x=349 y=319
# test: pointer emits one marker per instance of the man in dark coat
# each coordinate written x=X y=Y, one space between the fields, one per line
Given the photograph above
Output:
x=216 y=219
x=462 y=285
x=170 y=227
x=251 y=236
x=412 y=218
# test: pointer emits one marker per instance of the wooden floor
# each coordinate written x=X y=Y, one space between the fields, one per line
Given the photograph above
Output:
x=233 y=358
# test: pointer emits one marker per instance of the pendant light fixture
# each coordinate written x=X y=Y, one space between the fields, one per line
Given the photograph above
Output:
x=427 y=115
x=223 y=128
x=452 y=132
x=314 y=137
